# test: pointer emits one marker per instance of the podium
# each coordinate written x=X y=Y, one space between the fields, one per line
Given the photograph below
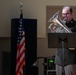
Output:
x=62 y=40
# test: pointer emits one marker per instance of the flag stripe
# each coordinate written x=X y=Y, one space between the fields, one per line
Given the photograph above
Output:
x=17 y=60
x=19 y=50
x=21 y=63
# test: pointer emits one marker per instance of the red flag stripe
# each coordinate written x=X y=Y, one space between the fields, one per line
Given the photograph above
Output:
x=21 y=43
x=20 y=51
x=20 y=47
x=17 y=65
x=19 y=56
x=20 y=62
x=20 y=65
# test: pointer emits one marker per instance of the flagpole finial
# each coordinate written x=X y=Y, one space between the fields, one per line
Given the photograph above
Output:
x=21 y=5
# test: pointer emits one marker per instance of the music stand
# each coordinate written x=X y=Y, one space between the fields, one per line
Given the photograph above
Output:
x=62 y=40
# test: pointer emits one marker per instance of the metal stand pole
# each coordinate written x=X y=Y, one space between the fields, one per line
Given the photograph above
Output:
x=62 y=43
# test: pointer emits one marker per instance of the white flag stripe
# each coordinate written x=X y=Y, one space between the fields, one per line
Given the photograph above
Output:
x=19 y=52
x=21 y=71
x=23 y=39
x=17 y=65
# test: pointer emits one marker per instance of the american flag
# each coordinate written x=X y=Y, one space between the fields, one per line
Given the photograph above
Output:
x=20 y=57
